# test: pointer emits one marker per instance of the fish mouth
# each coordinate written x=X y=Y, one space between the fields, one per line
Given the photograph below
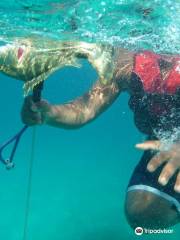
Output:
x=98 y=55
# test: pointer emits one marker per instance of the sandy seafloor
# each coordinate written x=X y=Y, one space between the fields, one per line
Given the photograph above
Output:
x=79 y=176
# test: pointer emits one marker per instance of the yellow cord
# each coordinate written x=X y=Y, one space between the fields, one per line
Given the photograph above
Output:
x=29 y=188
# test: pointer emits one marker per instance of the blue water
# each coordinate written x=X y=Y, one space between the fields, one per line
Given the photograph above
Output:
x=79 y=177
x=133 y=24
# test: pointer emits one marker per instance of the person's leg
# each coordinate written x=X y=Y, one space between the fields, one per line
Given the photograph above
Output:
x=148 y=204
x=148 y=210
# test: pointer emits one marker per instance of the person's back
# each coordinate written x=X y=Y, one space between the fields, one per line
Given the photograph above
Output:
x=155 y=92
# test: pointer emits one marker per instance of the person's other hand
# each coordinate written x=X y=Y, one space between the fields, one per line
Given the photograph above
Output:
x=172 y=158
x=34 y=113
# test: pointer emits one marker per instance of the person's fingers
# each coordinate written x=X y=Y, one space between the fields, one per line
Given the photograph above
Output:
x=149 y=145
x=28 y=101
x=31 y=118
x=43 y=106
x=29 y=104
x=34 y=113
x=167 y=172
x=157 y=160
x=33 y=121
x=177 y=184
x=36 y=117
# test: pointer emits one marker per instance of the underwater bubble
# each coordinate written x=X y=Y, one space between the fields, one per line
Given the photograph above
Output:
x=133 y=24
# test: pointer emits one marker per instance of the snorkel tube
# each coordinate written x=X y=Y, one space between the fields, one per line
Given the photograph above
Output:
x=8 y=162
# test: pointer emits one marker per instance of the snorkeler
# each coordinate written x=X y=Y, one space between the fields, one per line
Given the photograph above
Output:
x=152 y=81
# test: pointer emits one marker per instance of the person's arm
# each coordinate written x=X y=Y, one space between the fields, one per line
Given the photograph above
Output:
x=85 y=108
x=97 y=100
x=73 y=114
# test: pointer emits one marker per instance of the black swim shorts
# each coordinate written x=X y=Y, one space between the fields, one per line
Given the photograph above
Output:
x=146 y=181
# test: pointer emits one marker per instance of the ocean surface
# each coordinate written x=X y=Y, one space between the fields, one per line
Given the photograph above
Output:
x=79 y=177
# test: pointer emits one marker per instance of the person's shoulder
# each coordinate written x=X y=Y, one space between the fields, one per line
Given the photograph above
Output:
x=124 y=64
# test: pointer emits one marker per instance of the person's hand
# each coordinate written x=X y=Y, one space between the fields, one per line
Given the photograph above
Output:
x=34 y=113
x=172 y=158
